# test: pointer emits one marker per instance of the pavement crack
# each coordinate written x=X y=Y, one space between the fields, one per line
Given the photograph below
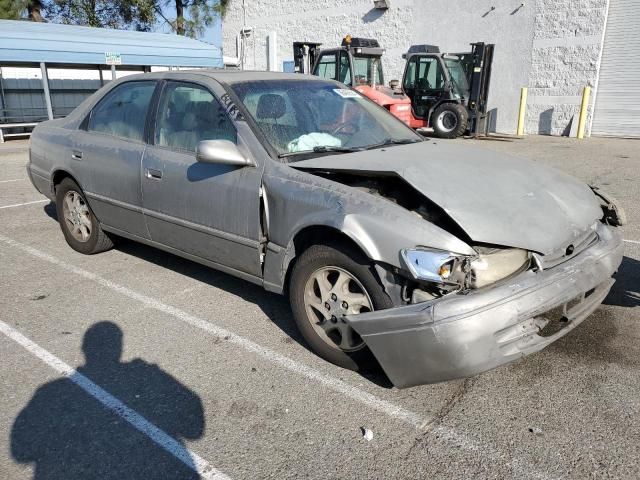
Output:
x=430 y=424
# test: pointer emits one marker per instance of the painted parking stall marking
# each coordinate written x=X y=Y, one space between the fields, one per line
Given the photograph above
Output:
x=14 y=180
x=162 y=439
x=23 y=204
x=521 y=469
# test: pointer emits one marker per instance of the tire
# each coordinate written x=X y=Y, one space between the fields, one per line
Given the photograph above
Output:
x=303 y=285
x=85 y=235
x=450 y=120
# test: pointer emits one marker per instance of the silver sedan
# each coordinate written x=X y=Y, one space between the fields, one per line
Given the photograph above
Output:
x=433 y=260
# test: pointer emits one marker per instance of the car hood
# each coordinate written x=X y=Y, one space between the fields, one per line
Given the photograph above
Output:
x=495 y=198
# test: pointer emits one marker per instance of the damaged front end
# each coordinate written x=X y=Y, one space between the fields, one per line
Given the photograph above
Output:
x=541 y=251
x=470 y=331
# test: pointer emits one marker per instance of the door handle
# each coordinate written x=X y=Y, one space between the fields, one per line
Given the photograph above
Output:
x=153 y=173
x=76 y=155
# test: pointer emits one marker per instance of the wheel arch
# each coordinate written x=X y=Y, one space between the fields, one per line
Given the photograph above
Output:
x=316 y=235
x=58 y=176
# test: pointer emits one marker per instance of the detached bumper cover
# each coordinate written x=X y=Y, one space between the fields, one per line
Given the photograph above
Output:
x=462 y=335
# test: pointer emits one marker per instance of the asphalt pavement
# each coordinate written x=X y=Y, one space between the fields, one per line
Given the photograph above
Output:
x=137 y=364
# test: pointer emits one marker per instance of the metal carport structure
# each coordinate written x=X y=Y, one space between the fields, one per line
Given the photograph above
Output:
x=48 y=45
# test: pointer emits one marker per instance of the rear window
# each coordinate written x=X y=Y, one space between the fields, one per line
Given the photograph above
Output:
x=123 y=111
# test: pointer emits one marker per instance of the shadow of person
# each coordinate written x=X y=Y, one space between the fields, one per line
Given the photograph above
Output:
x=68 y=434
x=626 y=291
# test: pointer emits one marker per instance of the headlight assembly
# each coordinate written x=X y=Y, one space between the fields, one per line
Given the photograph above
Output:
x=495 y=264
x=464 y=271
x=436 y=265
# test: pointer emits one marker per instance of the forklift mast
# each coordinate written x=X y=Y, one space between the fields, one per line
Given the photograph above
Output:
x=305 y=55
x=479 y=79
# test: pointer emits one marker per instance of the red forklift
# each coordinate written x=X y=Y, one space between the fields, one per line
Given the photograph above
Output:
x=446 y=92
x=358 y=64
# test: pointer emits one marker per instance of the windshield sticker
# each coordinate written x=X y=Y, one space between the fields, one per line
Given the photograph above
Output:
x=346 y=93
x=231 y=108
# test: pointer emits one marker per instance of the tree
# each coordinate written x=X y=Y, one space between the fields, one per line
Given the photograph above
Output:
x=136 y=14
x=12 y=9
x=34 y=10
x=192 y=16
x=15 y=9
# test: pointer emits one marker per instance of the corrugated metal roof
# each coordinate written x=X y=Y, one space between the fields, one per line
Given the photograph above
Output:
x=32 y=42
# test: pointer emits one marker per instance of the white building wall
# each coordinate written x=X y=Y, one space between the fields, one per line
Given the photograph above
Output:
x=565 y=54
x=551 y=46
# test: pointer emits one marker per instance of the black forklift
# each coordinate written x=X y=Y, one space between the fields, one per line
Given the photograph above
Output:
x=449 y=91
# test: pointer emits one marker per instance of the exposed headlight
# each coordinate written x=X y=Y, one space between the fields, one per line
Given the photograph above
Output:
x=447 y=268
x=492 y=265
x=435 y=265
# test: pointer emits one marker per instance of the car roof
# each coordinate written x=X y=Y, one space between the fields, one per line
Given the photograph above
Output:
x=227 y=76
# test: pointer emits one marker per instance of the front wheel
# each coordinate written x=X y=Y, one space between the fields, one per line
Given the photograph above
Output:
x=327 y=283
x=450 y=120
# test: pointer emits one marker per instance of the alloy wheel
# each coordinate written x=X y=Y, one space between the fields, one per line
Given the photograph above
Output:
x=329 y=295
x=76 y=216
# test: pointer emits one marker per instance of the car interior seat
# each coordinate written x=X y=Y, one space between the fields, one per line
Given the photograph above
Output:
x=272 y=106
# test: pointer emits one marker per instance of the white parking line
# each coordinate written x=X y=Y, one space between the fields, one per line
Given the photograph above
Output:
x=171 y=445
x=23 y=204
x=522 y=469
x=631 y=241
x=14 y=180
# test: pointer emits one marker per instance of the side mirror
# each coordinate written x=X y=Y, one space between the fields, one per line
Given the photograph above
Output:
x=223 y=152
x=394 y=84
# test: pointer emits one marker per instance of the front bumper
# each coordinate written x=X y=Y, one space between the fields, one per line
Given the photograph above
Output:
x=462 y=335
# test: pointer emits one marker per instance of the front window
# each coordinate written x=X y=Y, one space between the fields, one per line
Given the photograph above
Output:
x=188 y=114
x=430 y=74
x=310 y=116
x=367 y=71
x=458 y=77
x=326 y=67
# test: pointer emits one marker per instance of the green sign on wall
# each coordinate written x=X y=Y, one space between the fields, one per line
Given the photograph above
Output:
x=112 y=58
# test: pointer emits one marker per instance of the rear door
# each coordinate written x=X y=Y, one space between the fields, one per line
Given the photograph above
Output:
x=110 y=147
x=210 y=211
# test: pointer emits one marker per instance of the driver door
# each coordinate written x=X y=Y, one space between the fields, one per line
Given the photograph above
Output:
x=427 y=88
x=210 y=211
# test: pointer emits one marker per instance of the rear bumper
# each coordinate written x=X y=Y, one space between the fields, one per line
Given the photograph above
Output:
x=461 y=335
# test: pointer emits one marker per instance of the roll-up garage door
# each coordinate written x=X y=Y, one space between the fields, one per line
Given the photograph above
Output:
x=617 y=109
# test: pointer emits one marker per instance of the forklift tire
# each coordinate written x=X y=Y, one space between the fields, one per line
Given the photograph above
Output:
x=450 y=120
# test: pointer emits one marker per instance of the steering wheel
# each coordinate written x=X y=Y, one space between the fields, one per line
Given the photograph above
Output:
x=345 y=128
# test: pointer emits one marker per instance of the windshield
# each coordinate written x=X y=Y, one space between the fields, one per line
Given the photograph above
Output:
x=297 y=116
x=367 y=71
x=458 y=77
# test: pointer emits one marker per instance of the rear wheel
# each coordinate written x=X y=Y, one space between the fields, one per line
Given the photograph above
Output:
x=450 y=120
x=78 y=223
x=327 y=283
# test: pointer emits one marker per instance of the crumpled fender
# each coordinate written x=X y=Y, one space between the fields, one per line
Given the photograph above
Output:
x=296 y=200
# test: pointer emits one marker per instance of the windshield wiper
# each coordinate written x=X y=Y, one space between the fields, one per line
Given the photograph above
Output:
x=323 y=149
x=392 y=141
x=328 y=148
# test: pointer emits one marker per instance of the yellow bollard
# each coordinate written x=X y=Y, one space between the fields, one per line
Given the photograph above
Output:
x=582 y=119
x=523 y=107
